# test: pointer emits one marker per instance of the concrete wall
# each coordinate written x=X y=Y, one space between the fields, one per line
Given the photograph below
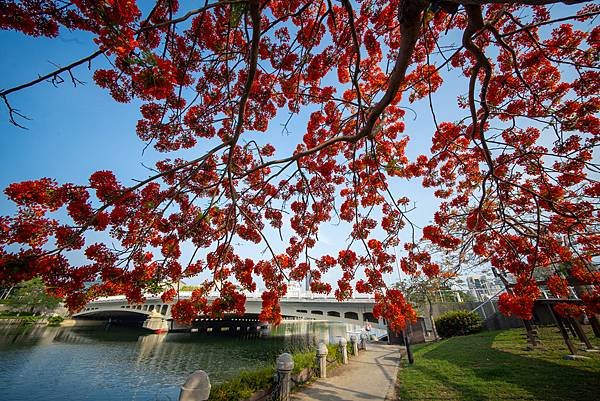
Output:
x=490 y=314
x=418 y=332
x=492 y=318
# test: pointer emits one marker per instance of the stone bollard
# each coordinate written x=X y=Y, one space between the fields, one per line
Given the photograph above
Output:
x=196 y=387
x=265 y=329
x=354 y=342
x=322 y=359
x=285 y=364
x=343 y=342
x=363 y=341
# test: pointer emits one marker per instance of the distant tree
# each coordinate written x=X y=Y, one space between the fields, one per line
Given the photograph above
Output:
x=187 y=287
x=464 y=296
x=32 y=296
x=423 y=292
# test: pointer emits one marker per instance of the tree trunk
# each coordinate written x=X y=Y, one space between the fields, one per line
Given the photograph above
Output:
x=595 y=322
x=433 y=328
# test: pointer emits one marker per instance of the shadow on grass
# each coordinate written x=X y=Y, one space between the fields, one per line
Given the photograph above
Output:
x=468 y=368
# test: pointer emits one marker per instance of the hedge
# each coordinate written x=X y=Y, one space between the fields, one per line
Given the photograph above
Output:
x=458 y=323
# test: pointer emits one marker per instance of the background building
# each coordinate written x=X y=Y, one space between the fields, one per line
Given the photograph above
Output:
x=483 y=286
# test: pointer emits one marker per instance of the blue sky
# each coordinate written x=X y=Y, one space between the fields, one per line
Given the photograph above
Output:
x=75 y=131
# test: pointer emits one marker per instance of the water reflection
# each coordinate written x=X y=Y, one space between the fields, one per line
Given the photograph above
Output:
x=96 y=364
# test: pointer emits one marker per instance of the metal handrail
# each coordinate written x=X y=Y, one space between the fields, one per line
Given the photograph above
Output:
x=489 y=300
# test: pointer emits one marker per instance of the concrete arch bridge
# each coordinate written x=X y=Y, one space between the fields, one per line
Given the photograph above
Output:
x=155 y=315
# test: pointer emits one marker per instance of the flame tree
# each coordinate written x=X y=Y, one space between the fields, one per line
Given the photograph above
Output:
x=516 y=171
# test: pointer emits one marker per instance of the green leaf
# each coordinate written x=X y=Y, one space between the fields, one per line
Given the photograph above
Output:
x=237 y=10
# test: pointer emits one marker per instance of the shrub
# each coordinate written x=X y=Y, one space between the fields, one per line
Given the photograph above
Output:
x=458 y=323
x=28 y=319
x=243 y=385
x=303 y=360
x=55 y=320
x=16 y=314
x=24 y=317
x=333 y=352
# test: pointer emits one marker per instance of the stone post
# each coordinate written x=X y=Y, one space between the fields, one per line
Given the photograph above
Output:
x=265 y=329
x=363 y=341
x=196 y=387
x=285 y=364
x=343 y=342
x=322 y=359
x=156 y=322
x=354 y=342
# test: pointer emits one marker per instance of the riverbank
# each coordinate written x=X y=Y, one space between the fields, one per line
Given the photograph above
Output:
x=7 y=317
x=255 y=384
x=497 y=365
x=19 y=318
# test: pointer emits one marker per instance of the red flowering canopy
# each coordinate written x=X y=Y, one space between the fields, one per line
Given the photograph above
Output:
x=516 y=170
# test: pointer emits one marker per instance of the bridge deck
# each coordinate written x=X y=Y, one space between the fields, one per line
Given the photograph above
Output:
x=357 y=311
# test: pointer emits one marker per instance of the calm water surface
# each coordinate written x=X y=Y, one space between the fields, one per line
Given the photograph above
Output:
x=121 y=364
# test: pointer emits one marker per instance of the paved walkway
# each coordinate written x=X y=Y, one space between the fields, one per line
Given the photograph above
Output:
x=370 y=376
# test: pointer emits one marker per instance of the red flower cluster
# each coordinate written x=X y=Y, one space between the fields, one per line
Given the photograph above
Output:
x=558 y=286
x=271 y=311
x=184 y=311
x=394 y=308
x=517 y=305
x=568 y=309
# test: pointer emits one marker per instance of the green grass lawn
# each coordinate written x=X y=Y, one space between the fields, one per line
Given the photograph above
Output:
x=497 y=366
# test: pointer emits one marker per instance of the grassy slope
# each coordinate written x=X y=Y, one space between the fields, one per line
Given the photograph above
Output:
x=246 y=383
x=498 y=366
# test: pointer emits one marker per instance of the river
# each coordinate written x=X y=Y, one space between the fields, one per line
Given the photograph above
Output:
x=126 y=364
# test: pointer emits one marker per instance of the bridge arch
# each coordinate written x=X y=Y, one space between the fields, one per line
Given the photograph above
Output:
x=369 y=317
x=351 y=315
x=333 y=313
x=111 y=313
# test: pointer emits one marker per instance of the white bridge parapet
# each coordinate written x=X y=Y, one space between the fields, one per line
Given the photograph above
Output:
x=357 y=311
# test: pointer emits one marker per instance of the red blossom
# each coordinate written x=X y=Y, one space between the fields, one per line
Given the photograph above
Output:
x=106 y=185
x=184 y=311
x=510 y=193
x=168 y=295
x=518 y=305
x=393 y=307
x=568 y=309
x=270 y=308
x=558 y=286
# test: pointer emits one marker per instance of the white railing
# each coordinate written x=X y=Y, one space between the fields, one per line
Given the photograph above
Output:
x=490 y=301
